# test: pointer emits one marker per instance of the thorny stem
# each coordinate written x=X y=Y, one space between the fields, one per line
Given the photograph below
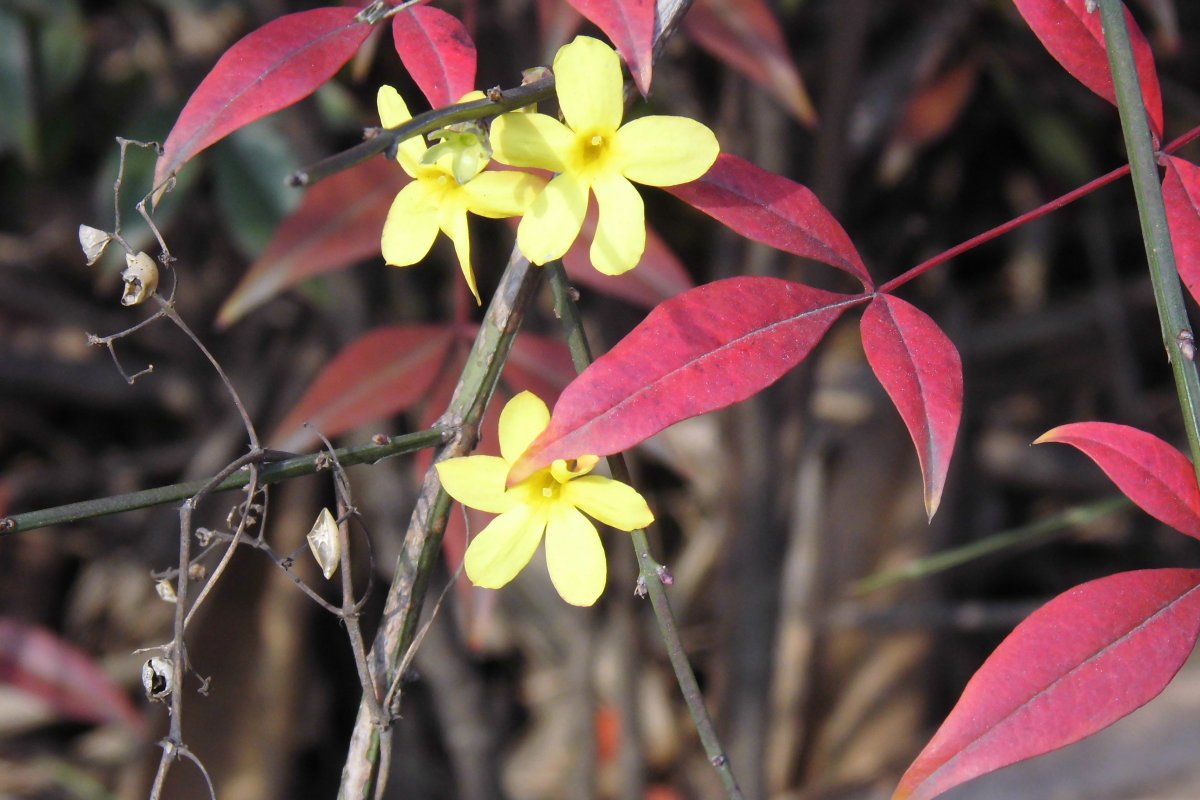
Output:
x=385 y=139
x=650 y=572
x=1168 y=297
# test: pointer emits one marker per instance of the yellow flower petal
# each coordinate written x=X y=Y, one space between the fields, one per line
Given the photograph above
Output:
x=523 y=418
x=504 y=547
x=412 y=224
x=564 y=470
x=575 y=556
x=394 y=112
x=621 y=228
x=609 y=501
x=531 y=140
x=665 y=151
x=453 y=221
x=553 y=220
x=499 y=194
x=477 y=482
x=587 y=79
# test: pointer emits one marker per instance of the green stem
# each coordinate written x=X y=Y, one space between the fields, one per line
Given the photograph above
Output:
x=381 y=139
x=269 y=473
x=1168 y=297
x=1040 y=532
x=650 y=572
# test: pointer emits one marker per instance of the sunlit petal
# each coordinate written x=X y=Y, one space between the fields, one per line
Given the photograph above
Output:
x=553 y=220
x=394 y=112
x=575 y=556
x=502 y=193
x=412 y=224
x=587 y=79
x=664 y=151
x=523 y=418
x=609 y=501
x=504 y=547
x=477 y=482
x=564 y=470
x=621 y=227
x=531 y=140
x=454 y=223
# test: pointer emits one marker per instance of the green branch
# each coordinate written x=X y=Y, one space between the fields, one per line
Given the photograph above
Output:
x=272 y=472
x=1168 y=297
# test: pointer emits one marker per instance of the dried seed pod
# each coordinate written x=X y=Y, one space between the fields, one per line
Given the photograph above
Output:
x=158 y=678
x=166 y=590
x=141 y=279
x=325 y=543
x=93 y=241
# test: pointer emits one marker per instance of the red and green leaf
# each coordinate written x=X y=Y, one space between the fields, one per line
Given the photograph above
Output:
x=703 y=350
x=1075 y=38
x=384 y=372
x=746 y=36
x=1078 y=664
x=437 y=51
x=337 y=224
x=1181 y=195
x=773 y=210
x=629 y=25
x=921 y=371
x=1154 y=475
x=269 y=69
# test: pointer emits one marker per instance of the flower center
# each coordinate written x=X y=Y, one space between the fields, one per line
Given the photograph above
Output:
x=593 y=152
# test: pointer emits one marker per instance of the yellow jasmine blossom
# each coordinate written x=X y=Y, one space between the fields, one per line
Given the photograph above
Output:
x=442 y=193
x=549 y=501
x=593 y=152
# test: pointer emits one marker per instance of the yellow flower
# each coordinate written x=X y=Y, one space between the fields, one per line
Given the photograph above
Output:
x=442 y=193
x=595 y=152
x=548 y=501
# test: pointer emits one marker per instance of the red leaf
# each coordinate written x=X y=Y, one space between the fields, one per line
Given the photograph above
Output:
x=62 y=676
x=703 y=350
x=384 y=372
x=659 y=274
x=745 y=35
x=338 y=223
x=1081 y=662
x=629 y=25
x=437 y=51
x=922 y=373
x=1076 y=40
x=1181 y=194
x=773 y=210
x=268 y=69
x=1154 y=475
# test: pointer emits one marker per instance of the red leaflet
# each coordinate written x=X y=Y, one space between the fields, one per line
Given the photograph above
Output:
x=629 y=25
x=659 y=274
x=1181 y=194
x=437 y=51
x=62 y=677
x=268 y=69
x=698 y=352
x=337 y=224
x=1076 y=40
x=922 y=373
x=1155 y=476
x=385 y=371
x=1078 y=664
x=773 y=210
x=745 y=35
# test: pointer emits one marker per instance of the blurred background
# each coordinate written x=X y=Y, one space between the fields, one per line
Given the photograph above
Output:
x=792 y=523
